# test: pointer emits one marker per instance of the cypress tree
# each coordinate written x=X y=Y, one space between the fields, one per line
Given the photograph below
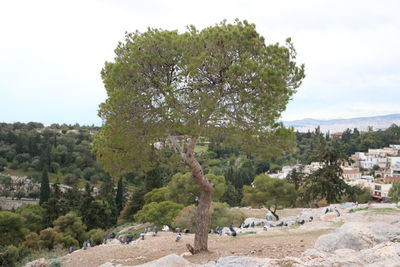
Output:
x=44 y=187
x=119 y=198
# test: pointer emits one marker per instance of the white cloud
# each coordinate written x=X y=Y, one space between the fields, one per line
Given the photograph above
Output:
x=52 y=51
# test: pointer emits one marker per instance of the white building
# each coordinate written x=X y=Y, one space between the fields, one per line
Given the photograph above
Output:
x=351 y=174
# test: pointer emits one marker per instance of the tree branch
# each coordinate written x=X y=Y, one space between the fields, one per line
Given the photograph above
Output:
x=177 y=146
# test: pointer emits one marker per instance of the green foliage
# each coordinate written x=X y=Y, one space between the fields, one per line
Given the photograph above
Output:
x=12 y=228
x=44 y=188
x=326 y=183
x=158 y=78
x=134 y=204
x=32 y=241
x=96 y=236
x=119 y=198
x=232 y=196
x=394 y=192
x=357 y=194
x=221 y=215
x=70 y=179
x=9 y=255
x=33 y=215
x=161 y=213
x=68 y=241
x=181 y=189
x=49 y=238
x=70 y=225
x=269 y=192
x=156 y=195
x=96 y=213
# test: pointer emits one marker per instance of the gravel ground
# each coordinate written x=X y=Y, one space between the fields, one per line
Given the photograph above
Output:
x=274 y=243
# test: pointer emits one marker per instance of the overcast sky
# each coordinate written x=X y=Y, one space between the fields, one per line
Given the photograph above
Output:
x=51 y=52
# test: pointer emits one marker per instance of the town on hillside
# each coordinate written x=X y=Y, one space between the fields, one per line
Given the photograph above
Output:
x=375 y=170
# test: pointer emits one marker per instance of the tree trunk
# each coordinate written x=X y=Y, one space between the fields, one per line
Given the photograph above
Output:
x=206 y=191
x=274 y=213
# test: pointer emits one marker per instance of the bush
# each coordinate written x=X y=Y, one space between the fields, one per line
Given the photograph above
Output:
x=357 y=193
x=96 y=236
x=186 y=218
x=70 y=179
x=70 y=224
x=394 y=192
x=33 y=215
x=221 y=215
x=3 y=163
x=54 y=167
x=68 y=241
x=9 y=255
x=182 y=189
x=162 y=213
x=50 y=237
x=156 y=195
x=12 y=229
x=32 y=241
x=14 y=165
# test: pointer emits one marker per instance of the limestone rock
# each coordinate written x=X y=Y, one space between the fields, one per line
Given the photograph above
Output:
x=238 y=261
x=42 y=262
x=171 y=260
x=338 y=240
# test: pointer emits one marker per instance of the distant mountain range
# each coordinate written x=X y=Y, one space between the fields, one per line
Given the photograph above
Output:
x=338 y=125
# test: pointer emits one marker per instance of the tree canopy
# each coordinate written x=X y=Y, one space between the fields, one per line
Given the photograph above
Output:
x=223 y=78
x=269 y=192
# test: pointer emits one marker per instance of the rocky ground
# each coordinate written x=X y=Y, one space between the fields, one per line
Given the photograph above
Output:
x=365 y=237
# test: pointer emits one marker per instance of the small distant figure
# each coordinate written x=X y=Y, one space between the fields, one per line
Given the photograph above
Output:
x=85 y=245
x=71 y=249
x=142 y=236
x=178 y=237
x=265 y=228
x=129 y=239
x=232 y=231
x=165 y=228
x=186 y=231
x=146 y=229
x=112 y=235
x=356 y=204
x=218 y=230
x=269 y=216
x=337 y=212
x=177 y=230
x=105 y=240
x=122 y=239
x=326 y=210
x=155 y=230
x=253 y=224
x=301 y=222
x=311 y=218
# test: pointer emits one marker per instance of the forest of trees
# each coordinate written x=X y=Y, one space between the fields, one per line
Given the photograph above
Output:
x=67 y=217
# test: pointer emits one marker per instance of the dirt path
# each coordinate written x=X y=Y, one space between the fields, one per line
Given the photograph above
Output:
x=274 y=243
x=271 y=244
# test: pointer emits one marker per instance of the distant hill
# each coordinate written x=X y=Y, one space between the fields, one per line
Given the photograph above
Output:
x=337 y=125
